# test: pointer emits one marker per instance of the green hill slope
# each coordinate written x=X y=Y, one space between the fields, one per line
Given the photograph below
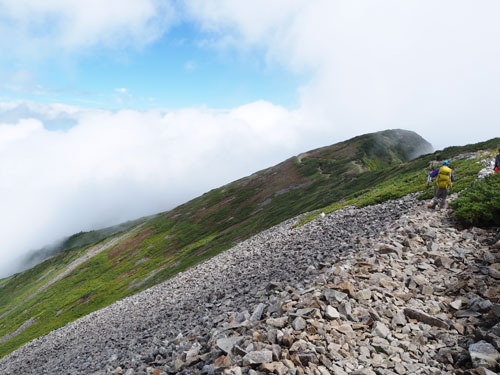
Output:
x=363 y=170
x=77 y=240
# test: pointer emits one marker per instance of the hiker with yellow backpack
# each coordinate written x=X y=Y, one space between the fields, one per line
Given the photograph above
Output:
x=444 y=178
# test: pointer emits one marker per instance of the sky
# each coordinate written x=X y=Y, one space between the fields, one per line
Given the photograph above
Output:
x=114 y=110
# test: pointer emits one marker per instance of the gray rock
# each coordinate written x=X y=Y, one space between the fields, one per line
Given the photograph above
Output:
x=192 y=353
x=258 y=357
x=485 y=371
x=227 y=344
x=277 y=322
x=432 y=246
x=364 y=294
x=345 y=309
x=496 y=309
x=496 y=329
x=481 y=305
x=276 y=350
x=381 y=330
x=425 y=318
x=257 y=314
x=494 y=270
x=467 y=314
x=299 y=324
x=307 y=358
x=483 y=354
x=399 y=318
x=443 y=261
x=336 y=370
x=334 y=295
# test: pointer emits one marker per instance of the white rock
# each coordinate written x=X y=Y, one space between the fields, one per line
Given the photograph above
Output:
x=456 y=304
x=331 y=312
x=380 y=330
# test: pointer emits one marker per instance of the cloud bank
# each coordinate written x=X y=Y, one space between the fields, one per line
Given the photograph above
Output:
x=420 y=65
x=111 y=167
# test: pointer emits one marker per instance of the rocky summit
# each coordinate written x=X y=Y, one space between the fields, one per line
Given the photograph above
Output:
x=394 y=288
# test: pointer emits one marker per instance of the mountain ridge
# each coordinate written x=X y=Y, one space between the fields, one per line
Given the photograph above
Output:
x=207 y=225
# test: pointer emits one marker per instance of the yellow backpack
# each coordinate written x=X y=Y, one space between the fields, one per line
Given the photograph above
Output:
x=444 y=178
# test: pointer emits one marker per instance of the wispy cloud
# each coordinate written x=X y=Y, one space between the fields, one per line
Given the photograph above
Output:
x=121 y=90
x=32 y=28
x=25 y=83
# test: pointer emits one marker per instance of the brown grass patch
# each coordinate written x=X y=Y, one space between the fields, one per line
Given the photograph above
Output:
x=204 y=211
x=130 y=243
x=339 y=151
x=287 y=176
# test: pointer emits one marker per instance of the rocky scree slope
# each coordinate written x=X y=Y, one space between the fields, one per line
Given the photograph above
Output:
x=387 y=289
x=173 y=241
x=230 y=282
x=367 y=167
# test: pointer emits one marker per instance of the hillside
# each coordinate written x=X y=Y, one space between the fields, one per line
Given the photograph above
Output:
x=387 y=289
x=364 y=170
x=77 y=240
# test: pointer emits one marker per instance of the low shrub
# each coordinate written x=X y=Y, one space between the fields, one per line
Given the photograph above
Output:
x=480 y=204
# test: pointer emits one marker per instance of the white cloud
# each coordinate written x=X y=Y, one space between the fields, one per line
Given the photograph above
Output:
x=121 y=90
x=111 y=167
x=38 y=28
x=424 y=65
x=421 y=65
x=13 y=133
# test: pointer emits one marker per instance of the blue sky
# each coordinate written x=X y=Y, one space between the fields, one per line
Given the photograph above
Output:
x=112 y=110
x=178 y=70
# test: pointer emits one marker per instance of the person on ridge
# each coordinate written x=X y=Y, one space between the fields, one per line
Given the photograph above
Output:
x=497 y=162
x=444 y=178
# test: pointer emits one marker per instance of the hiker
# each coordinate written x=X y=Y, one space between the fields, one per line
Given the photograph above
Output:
x=497 y=162
x=444 y=178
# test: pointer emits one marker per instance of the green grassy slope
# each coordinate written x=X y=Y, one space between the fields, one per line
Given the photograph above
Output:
x=411 y=177
x=78 y=240
x=364 y=170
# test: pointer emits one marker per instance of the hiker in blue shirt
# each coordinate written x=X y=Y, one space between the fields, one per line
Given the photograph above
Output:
x=444 y=180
